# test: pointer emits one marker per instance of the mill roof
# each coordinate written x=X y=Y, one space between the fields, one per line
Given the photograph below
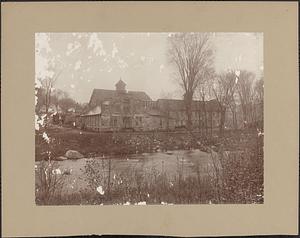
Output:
x=99 y=95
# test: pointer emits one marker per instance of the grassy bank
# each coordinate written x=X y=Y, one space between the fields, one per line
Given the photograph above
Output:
x=92 y=144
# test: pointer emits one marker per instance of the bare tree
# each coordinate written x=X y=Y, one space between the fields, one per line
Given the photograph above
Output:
x=204 y=93
x=245 y=92
x=40 y=94
x=167 y=107
x=259 y=100
x=48 y=84
x=259 y=90
x=233 y=109
x=223 y=90
x=66 y=103
x=56 y=96
x=192 y=56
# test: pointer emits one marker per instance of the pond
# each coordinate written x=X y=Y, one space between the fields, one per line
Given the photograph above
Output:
x=168 y=162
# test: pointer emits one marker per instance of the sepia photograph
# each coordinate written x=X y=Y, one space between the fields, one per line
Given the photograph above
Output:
x=149 y=118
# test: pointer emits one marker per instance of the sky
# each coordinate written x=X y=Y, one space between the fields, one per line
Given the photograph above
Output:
x=99 y=60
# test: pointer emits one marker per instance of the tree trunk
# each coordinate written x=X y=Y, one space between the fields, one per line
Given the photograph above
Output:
x=205 y=116
x=47 y=105
x=108 y=182
x=189 y=118
x=211 y=124
x=234 y=119
x=244 y=109
x=188 y=98
x=222 y=121
x=168 y=118
x=199 y=122
x=253 y=113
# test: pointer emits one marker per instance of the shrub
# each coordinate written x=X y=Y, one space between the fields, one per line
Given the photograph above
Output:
x=49 y=182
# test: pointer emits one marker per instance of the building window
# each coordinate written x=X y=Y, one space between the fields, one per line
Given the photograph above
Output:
x=113 y=121
x=127 y=122
x=138 y=120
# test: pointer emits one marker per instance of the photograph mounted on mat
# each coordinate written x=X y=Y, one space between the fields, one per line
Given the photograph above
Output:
x=183 y=124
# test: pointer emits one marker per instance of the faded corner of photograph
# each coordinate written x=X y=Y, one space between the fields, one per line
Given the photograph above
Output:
x=149 y=118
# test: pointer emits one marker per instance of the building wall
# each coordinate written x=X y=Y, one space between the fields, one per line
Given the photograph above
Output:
x=124 y=111
x=89 y=122
x=198 y=118
x=150 y=122
x=144 y=121
x=116 y=122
